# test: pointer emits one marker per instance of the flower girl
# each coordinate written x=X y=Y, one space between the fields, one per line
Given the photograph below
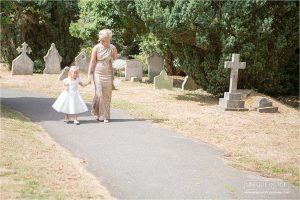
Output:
x=70 y=101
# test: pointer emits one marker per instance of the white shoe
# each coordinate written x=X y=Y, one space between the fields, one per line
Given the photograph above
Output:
x=76 y=122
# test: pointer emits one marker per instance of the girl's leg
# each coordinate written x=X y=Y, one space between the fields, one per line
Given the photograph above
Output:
x=75 y=120
x=66 y=118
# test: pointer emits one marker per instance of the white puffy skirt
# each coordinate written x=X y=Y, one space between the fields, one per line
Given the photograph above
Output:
x=70 y=103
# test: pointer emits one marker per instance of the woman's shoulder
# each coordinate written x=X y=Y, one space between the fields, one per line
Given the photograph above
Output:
x=96 y=47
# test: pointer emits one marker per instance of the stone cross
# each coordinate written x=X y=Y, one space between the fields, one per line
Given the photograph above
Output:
x=25 y=49
x=22 y=65
x=235 y=65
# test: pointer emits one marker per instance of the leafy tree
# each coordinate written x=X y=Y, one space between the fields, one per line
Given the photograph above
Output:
x=119 y=16
x=198 y=36
x=38 y=23
x=202 y=35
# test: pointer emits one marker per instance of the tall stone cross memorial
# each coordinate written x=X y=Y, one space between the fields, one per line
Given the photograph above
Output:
x=22 y=65
x=232 y=100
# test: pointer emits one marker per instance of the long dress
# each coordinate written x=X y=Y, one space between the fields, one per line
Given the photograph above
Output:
x=103 y=77
x=70 y=101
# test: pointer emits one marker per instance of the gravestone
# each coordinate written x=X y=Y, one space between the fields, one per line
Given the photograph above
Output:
x=133 y=68
x=134 y=79
x=82 y=60
x=64 y=73
x=264 y=105
x=119 y=64
x=232 y=99
x=22 y=65
x=189 y=84
x=163 y=81
x=52 y=61
x=155 y=65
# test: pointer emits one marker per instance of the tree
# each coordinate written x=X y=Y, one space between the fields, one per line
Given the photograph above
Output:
x=202 y=35
x=119 y=16
x=38 y=23
x=198 y=36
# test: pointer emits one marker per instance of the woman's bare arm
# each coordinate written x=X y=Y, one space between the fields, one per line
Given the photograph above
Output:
x=92 y=64
x=115 y=54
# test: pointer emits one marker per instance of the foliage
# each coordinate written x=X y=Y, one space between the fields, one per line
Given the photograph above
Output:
x=38 y=23
x=202 y=35
x=119 y=16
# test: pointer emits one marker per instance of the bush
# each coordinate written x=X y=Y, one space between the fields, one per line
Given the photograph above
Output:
x=38 y=66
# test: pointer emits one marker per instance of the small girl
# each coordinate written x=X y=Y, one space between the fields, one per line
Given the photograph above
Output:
x=70 y=101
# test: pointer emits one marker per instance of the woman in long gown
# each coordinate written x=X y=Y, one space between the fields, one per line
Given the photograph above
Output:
x=101 y=69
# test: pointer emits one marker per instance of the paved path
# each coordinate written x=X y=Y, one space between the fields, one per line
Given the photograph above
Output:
x=135 y=160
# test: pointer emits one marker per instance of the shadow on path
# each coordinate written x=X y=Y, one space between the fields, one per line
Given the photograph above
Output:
x=41 y=110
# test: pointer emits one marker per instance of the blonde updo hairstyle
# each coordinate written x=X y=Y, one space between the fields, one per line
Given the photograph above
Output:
x=105 y=34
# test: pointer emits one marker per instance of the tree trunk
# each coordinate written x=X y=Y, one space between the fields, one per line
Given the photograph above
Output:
x=170 y=69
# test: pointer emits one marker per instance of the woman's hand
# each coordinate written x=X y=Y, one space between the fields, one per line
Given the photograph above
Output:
x=89 y=79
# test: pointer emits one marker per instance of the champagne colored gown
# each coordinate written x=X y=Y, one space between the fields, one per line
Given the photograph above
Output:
x=103 y=77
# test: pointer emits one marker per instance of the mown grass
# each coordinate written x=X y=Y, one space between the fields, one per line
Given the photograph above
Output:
x=32 y=166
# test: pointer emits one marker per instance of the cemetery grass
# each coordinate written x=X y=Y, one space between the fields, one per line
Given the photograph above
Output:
x=32 y=166
x=261 y=142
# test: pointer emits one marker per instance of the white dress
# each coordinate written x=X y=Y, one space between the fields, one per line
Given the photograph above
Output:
x=70 y=101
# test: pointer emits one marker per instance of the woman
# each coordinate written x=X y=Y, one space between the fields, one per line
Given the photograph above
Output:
x=100 y=67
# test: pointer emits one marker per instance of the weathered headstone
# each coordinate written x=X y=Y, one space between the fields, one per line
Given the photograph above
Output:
x=82 y=60
x=52 y=61
x=119 y=64
x=134 y=79
x=264 y=105
x=155 y=65
x=22 y=65
x=64 y=73
x=189 y=84
x=232 y=99
x=163 y=81
x=133 y=68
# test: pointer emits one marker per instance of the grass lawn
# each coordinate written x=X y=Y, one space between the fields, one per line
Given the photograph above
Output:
x=262 y=142
x=32 y=166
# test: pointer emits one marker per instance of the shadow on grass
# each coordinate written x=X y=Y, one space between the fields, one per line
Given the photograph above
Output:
x=201 y=98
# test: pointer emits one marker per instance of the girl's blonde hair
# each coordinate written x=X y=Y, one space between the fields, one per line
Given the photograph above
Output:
x=105 y=33
x=72 y=68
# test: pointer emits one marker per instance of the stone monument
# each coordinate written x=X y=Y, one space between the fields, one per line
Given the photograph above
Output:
x=264 y=105
x=155 y=65
x=189 y=84
x=232 y=99
x=163 y=81
x=133 y=68
x=82 y=60
x=64 y=73
x=22 y=65
x=52 y=61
